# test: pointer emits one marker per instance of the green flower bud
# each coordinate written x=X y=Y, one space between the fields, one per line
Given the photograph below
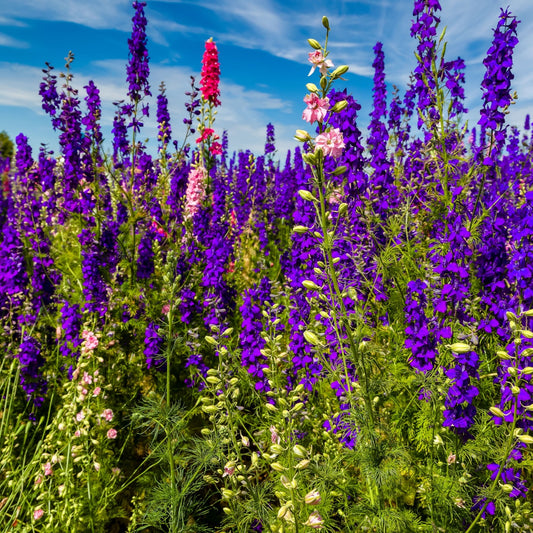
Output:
x=300 y=229
x=528 y=439
x=339 y=71
x=503 y=355
x=276 y=448
x=277 y=467
x=339 y=106
x=496 y=411
x=526 y=333
x=312 y=88
x=311 y=285
x=339 y=170
x=212 y=379
x=325 y=23
x=299 y=450
x=302 y=136
x=313 y=43
x=211 y=340
x=311 y=338
x=528 y=312
x=271 y=407
x=507 y=487
x=459 y=347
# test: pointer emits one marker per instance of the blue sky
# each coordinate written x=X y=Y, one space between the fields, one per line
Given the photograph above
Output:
x=262 y=49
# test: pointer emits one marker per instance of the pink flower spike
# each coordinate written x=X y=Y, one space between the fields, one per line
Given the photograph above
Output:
x=316 y=109
x=38 y=513
x=112 y=433
x=316 y=58
x=195 y=190
x=330 y=142
x=91 y=342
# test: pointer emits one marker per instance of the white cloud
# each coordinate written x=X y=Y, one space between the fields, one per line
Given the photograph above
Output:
x=6 y=40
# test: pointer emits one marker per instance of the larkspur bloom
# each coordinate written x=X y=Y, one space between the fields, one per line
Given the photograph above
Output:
x=112 y=433
x=316 y=109
x=210 y=74
x=38 y=513
x=317 y=59
x=330 y=142
x=195 y=193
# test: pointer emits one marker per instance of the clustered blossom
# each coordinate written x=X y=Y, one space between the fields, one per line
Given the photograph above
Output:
x=195 y=193
x=496 y=84
x=138 y=69
x=330 y=142
x=317 y=59
x=316 y=109
x=210 y=74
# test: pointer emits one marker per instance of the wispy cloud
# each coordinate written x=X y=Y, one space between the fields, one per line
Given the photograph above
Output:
x=6 y=40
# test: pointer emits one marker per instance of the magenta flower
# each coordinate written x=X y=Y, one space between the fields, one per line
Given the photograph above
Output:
x=316 y=109
x=112 y=433
x=316 y=58
x=330 y=142
x=210 y=74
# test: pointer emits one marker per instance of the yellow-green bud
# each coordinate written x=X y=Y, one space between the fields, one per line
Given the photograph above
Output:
x=529 y=312
x=496 y=411
x=277 y=467
x=503 y=355
x=526 y=333
x=212 y=379
x=300 y=229
x=271 y=407
x=276 y=448
x=339 y=106
x=313 y=43
x=209 y=409
x=325 y=23
x=339 y=170
x=298 y=407
x=211 y=340
x=302 y=135
x=306 y=195
x=507 y=487
x=459 y=347
x=311 y=338
x=304 y=463
x=311 y=285
x=339 y=71
x=312 y=88
x=299 y=450
x=528 y=439
x=227 y=332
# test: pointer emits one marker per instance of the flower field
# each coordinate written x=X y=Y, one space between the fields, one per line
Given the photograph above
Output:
x=340 y=341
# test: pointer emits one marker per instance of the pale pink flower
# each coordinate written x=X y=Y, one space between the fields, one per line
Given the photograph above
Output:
x=77 y=433
x=112 y=433
x=195 y=190
x=316 y=109
x=38 y=480
x=80 y=416
x=274 y=437
x=330 y=142
x=85 y=333
x=38 y=513
x=107 y=414
x=91 y=342
x=97 y=391
x=115 y=470
x=47 y=469
x=87 y=378
x=97 y=466
x=316 y=58
x=165 y=309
